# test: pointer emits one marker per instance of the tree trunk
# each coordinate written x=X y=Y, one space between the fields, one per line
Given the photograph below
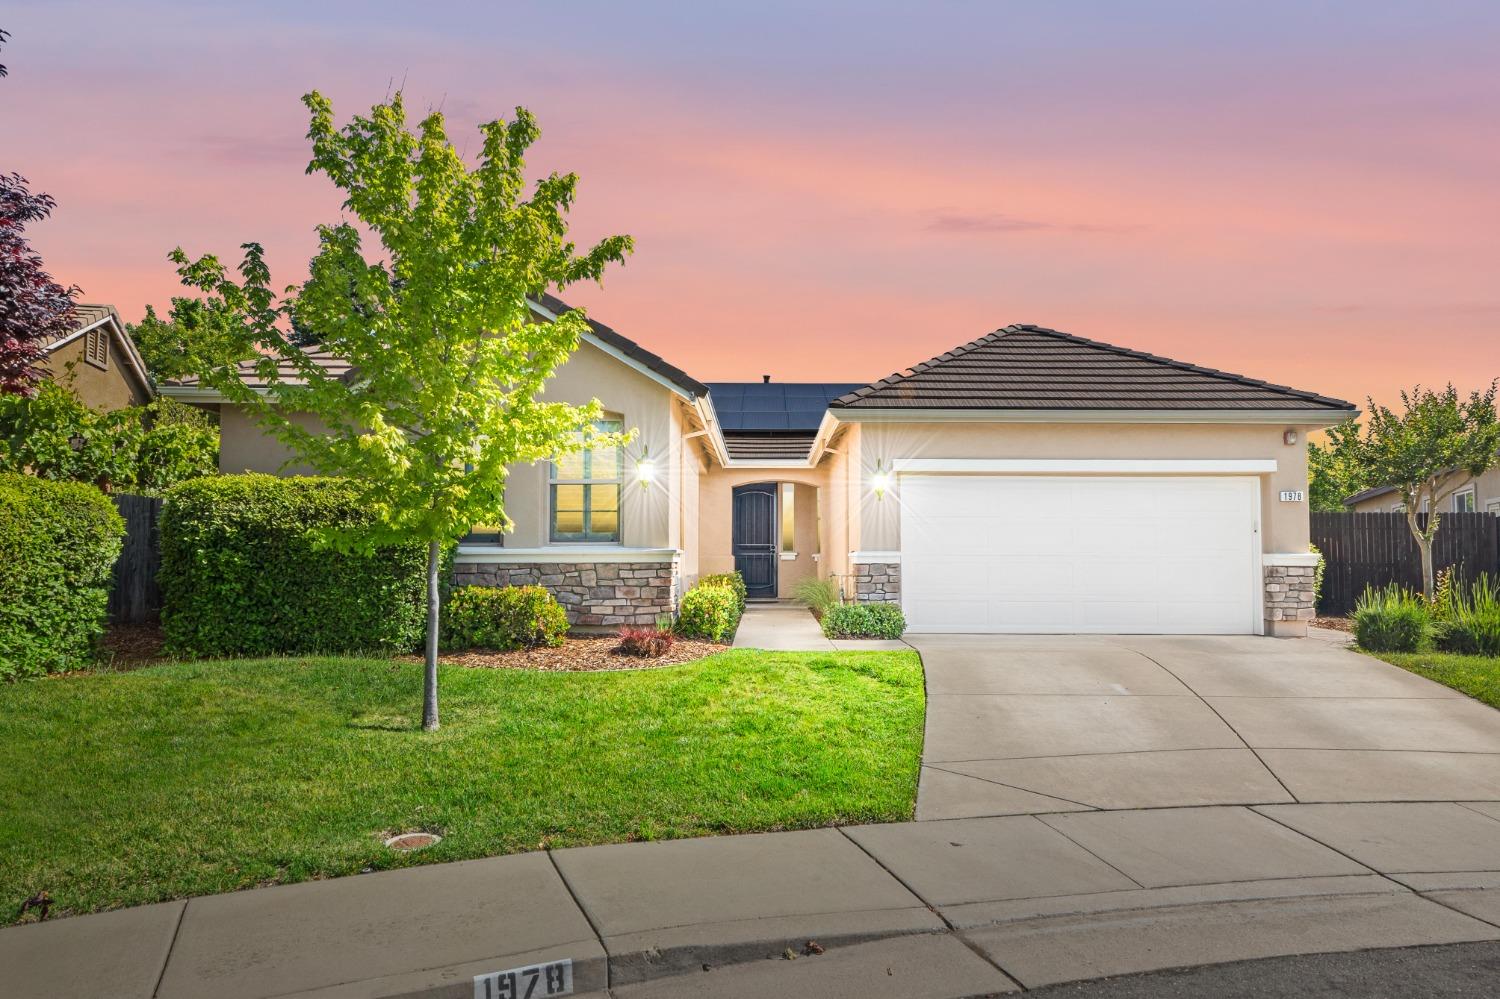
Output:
x=430 y=679
x=1429 y=578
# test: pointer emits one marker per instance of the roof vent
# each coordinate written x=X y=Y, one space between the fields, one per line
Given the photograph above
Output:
x=765 y=379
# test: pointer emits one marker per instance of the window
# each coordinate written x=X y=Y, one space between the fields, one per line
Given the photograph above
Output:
x=788 y=517
x=1463 y=502
x=96 y=347
x=585 y=492
x=1398 y=508
x=1492 y=506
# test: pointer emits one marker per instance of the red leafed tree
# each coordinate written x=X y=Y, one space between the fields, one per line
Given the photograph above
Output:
x=33 y=307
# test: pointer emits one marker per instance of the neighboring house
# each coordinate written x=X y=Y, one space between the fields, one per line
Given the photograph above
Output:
x=99 y=360
x=1481 y=495
x=1027 y=481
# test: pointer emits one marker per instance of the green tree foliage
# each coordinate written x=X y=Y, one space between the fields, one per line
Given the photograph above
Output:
x=139 y=449
x=196 y=334
x=448 y=364
x=1334 y=472
x=1427 y=452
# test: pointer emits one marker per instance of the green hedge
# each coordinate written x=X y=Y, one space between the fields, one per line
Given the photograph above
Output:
x=501 y=617
x=713 y=608
x=58 y=546
x=873 y=620
x=245 y=572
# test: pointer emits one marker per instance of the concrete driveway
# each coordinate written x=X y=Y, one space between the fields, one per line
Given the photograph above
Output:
x=1036 y=724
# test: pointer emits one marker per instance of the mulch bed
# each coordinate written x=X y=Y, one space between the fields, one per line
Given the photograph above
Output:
x=126 y=646
x=578 y=655
x=130 y=646
x=1334 y=623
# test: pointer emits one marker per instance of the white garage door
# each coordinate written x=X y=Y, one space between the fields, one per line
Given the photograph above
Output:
x=1154 y=555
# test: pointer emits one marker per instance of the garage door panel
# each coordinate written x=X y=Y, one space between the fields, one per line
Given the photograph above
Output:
x=1079 y=553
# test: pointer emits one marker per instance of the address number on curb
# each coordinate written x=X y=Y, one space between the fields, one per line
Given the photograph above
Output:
x=535 y=981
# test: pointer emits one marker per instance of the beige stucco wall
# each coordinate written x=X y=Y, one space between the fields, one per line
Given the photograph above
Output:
x=112 y=387
x=650 y=517
x=1284 y=526
x=716 y=515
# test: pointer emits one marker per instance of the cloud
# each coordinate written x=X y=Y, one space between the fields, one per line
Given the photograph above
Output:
x=996 y=222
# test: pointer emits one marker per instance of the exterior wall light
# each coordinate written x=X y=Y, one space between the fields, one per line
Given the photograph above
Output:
x=1289 y=438
x=645 y=469
x=881 y=480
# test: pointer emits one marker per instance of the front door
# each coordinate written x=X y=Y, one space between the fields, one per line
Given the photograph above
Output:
x=754 y=538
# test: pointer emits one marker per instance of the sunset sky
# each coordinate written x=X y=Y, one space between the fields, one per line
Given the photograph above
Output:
x=1305 y=192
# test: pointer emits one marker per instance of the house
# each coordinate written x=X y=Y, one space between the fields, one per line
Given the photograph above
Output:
x=1026 y=481
x=1479 y=495
x=99 y=361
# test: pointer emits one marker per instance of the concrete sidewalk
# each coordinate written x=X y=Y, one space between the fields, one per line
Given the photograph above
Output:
x=938 y=908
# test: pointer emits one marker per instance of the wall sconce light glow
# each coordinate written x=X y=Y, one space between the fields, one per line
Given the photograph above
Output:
x=880 y=481
x=645 y=470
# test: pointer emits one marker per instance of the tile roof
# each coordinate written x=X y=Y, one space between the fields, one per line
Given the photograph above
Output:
x=771 y=406
x=692 y=386
x=1365 y=494
x=1032 y=367
x=788 y=447
x=338 y=366
x=335 y=366
x=85 y=316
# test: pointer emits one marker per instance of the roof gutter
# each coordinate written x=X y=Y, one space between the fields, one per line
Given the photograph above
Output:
x=1298 y=417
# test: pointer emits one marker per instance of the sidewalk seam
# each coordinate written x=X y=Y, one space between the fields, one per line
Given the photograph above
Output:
x=172 y=946
x=609 y=971
x=951 y=929
x=1225 y=722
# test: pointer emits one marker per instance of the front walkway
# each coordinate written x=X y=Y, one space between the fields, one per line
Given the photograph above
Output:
x=779 y=627
x=1031 y=723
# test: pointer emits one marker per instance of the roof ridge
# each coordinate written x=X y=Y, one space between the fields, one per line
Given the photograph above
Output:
x=898 y=376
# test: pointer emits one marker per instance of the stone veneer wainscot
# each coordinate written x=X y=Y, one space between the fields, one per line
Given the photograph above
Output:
x=595 y=594
x=1289 y=593
x=876 y=582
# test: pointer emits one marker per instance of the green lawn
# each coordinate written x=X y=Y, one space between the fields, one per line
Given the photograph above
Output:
x=1477 y=676
x=184 y=779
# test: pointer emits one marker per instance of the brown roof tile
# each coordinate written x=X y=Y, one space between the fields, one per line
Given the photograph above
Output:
x=1031 y=367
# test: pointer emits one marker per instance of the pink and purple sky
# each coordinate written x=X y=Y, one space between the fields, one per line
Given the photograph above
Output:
x=1303 y=192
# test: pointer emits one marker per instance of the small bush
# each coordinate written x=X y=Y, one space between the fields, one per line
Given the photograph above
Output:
x=1469 y=618
x=1392 y=619
x=733 y=580
x=246 y=570
x=501 y=617
x=872 y=620
x=1318 y=575
x=818 y=594
x=711 y=610
x=58 y=546
x=646 y=642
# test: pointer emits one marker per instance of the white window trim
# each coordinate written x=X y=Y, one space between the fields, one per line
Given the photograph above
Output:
x=1492 y=505
x=1466 y=491
x=487 y=553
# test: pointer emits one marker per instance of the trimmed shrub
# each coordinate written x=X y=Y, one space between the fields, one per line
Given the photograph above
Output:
x=1392 y=619
x=1469 y=618
x=246 y=570
x=733 y=580
x=501 y=617
x=711 y=610
x=1318 y=571
x=818 y=594
x=872 y=620
x=58 y=546
x=645 y=641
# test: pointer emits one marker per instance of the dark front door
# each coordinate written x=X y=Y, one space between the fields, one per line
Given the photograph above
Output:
x=754 y=536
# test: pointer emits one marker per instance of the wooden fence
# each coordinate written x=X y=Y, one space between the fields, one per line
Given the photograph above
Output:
x=135 y=597
x=1375 y=549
